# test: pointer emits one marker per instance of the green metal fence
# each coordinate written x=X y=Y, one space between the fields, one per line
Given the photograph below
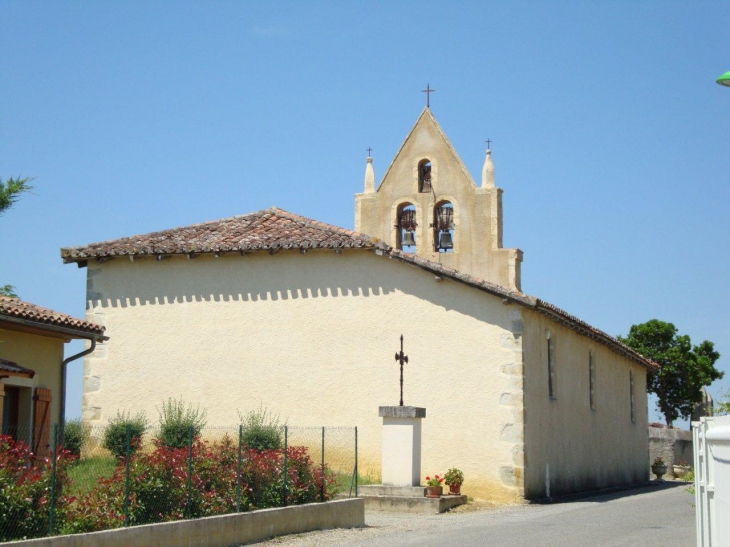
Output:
x=87 y=479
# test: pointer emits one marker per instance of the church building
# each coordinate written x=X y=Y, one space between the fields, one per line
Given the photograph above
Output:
x=271 y=308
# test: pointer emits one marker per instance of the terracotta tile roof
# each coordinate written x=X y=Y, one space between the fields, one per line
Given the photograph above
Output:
x=271 y=229
x=540 y=306
x=14 y=369
x=275 y=229
x=19 y=309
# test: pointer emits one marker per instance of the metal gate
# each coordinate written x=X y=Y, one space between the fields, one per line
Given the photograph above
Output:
x=712 y=480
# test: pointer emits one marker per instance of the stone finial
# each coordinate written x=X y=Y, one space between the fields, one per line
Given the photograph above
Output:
x=488 y=171
x=369 y=177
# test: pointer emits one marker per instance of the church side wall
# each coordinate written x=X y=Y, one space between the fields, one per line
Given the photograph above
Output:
x=312 y=338
x=580 y=448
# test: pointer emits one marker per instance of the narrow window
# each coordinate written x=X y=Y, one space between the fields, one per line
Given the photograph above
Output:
x=551 y=365
x=443 y=227
x=424 y=176
x=591 y=381
x=406 y=228
x=631 y=390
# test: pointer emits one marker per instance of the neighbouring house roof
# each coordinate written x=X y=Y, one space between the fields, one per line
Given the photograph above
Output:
x=18 y=311
x=9 y=368
x=275 y=229
x=268 y=230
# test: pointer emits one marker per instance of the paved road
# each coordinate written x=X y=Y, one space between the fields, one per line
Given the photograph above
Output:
x=647 y=517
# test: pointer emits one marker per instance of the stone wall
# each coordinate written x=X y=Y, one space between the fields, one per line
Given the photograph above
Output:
x=672 y=445
x=219 y=531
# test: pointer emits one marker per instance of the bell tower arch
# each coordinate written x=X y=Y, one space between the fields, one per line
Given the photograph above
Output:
x=429 y=201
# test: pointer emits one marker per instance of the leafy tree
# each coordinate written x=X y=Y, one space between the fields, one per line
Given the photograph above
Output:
x=685 y=369
x=8 y=290
x=722 y=408
x=11 y=190
x=9 y=193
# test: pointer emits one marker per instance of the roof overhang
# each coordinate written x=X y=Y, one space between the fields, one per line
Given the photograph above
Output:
x=11 y=369
x=515 y=297
x=44 y=329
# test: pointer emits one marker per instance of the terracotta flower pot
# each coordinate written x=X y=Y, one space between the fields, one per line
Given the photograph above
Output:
x=434 y=491
x=454 y=489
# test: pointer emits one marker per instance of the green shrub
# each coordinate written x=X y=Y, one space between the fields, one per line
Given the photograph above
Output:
x=75 y=434
x=261 y=430
x=176 y=420
x=115 y=433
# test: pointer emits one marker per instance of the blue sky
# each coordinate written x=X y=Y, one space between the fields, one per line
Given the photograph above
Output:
x=609 y=133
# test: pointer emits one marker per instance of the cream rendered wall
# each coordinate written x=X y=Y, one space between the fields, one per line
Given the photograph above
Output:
x=312 y=338
x=585 y=449
x=44 y=355
x=477 y=211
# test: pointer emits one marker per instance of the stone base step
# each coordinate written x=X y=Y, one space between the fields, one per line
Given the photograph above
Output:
x=384 y=490
x=412 y=504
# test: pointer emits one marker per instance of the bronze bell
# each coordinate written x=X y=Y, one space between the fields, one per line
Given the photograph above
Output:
x=446 y=241
x=408 y=239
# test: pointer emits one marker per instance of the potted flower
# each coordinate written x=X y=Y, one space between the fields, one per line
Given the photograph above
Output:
x=659 y=468
x=681 y=469
x=433 y=486
x=454 y=478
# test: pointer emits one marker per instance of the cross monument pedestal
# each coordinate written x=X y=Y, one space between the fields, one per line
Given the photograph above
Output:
x=401 y=488
x=401 y=464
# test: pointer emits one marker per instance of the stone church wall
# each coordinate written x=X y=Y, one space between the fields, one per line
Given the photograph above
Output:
x=312 y=338
x=569 y=444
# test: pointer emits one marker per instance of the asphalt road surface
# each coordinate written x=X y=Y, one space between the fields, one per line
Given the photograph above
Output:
x=645 y=517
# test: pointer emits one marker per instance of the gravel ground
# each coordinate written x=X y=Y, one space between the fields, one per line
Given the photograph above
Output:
x=653 y=516
x=379 y=524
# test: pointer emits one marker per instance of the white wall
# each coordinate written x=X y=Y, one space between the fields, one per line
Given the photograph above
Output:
x=312 y=337
x=585 y=449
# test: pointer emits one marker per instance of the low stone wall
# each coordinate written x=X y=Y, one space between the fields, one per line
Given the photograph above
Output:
x=219 y=531
x=672 y=445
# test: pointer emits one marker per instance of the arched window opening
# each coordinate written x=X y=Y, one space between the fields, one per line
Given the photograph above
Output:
x=406 y=228
x=443 y=223
x=424 y=176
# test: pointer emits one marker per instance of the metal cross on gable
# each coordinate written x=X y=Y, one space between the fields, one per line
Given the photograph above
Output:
x=428 y=92
x=489 y=141
x=369 y=150
x=401 y=358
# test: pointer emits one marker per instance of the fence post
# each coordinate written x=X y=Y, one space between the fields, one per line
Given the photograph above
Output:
x=190 y=472
x=322 y=491
x=52 y=508
x=356 y=461
x=238 y=469
x=128 y=453
x=286 y=463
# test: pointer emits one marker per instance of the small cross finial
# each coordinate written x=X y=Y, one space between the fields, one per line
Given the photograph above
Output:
x=489 y=141
x=369 y=150
x=401 y=358
x=428 y=92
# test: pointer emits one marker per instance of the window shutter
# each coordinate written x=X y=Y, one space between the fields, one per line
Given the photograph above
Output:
x=42 y=423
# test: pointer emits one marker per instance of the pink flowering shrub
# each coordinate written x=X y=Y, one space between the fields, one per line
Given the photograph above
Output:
x=159 y=485
x=25 y=490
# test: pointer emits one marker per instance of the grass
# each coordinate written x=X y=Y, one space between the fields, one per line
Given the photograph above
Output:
x=343 y=482
x=85 y=473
